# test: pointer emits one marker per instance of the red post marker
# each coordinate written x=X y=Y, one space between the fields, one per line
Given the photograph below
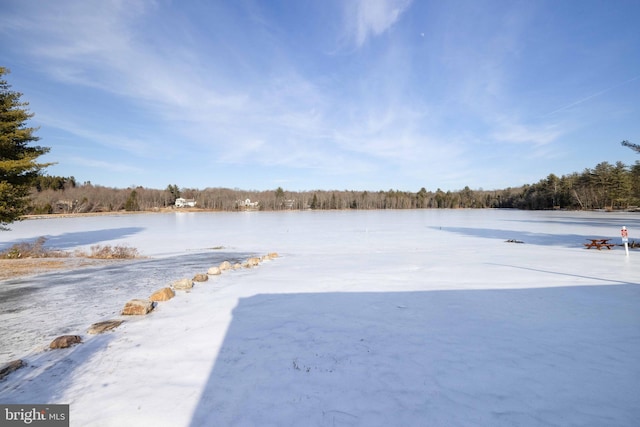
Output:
x=625 y=239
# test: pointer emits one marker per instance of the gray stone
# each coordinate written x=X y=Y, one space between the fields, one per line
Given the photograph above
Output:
x=251 y=262
x=182 y=284
x=214 y=271
x=137 y=307
x=11 y=367
x=200 y=277
x=107 y=325
x=164 y=294
x=65 y=341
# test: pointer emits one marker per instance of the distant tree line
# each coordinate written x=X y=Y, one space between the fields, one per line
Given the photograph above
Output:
x=605 y=186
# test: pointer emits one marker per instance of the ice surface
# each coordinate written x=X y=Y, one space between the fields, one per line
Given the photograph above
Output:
x=367 y=318
x=32 y=310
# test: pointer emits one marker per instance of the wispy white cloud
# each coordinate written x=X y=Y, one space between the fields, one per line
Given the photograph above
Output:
x=513 y=132
x=288 y=121
x=284 y=119
x=370 y=18
x=113 y=140
x=590 y=97
x=420 y=91
x=92 y=163
x=107 y=45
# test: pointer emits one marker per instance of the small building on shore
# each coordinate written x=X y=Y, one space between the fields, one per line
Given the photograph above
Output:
x=185 y=203
x=247 y=205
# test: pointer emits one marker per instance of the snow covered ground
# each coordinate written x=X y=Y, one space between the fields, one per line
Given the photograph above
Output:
x=370 y=318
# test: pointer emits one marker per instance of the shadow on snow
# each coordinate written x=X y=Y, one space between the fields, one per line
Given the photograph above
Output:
x=545 y=239
x=463 y=357
x=614 y=222
x=57 y=364
x=79 y=238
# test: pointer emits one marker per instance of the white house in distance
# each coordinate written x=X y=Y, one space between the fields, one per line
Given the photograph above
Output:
x=185 y=203
x=248 y=205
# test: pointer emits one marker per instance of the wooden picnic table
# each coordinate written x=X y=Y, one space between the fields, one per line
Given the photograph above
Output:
x=599 y=243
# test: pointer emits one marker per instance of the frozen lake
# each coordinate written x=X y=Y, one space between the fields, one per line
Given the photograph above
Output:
x=367 y=318
x=160 y=235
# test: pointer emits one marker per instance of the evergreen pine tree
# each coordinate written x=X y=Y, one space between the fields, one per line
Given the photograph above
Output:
x=18 y=165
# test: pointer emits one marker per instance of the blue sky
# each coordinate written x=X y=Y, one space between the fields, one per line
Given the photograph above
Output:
x=332 y=94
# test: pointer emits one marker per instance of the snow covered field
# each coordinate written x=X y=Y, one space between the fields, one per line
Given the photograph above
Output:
x=389 y=318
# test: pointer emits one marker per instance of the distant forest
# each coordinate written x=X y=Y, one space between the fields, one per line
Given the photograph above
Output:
x=606 y=186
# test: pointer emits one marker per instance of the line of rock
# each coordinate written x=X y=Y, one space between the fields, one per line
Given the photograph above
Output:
x=141 y=307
